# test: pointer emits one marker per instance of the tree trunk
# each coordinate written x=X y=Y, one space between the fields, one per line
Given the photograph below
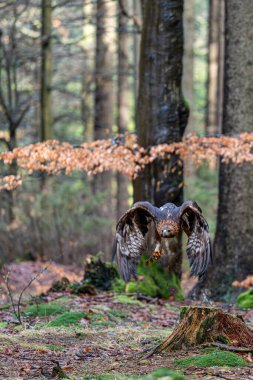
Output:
x=215 y=56
x=162 y=114
x=87 y=102
x=221 y=64
x=123 y=102
x=104 y=110
x=188 y=21
x=137 y=11
x=234 y=234
x=46 y=71
x=201 y=325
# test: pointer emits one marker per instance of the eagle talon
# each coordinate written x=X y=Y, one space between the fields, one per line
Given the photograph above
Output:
x=157 y=255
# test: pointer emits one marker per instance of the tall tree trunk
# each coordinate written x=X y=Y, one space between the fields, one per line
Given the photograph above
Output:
x=137 y=11
x=188 y=20
x=161 y=114
x=123 y=101
x=221 y=64
x=104 y=110
x=215 y=58
x=87 y=102
x=46 y=71
x=234 y=235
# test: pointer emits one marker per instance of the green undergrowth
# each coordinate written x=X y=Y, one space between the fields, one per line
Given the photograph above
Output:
x=147 y=287
x=118 y=286
x=114 y=313
x=160 y=373
x=214 y=358
x=108 y=376
x=45 y=309
x=164 y=373
x=67 y=319
x=123 y=298
x=156 y=282
x=96 y=319
x=5 y=306
x=245 y=299
x=54 y=347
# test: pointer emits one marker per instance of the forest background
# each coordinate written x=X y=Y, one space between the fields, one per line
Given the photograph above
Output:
x=73 y=71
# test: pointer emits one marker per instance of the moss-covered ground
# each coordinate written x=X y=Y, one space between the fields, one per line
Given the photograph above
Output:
x=213 y=359
x=100 y=337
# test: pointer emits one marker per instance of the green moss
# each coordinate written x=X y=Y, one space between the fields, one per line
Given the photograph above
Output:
x=222 y=339
x=147 y=286
x=245 y=299
x=44 y=309
x=183 y=311
x=160 y=373
x=118 y=285
x=204 y=328
x=54 y=348
x=67 y=319
x=108 y=376
x=100 y=320
x=3 y=325
x=5 y=306
x=164 y=373
x=214 y=358
x=118 y=313
x=122 y=298
x=166 y=283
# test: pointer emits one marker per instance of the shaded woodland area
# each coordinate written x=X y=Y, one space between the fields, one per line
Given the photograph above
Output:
x=104 y=103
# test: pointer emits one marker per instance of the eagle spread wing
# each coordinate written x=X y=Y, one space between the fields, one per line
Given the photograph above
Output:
x=130 y=239
x=199 y=249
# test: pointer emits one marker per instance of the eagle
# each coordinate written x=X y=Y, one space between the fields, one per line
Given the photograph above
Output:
x=135 y=227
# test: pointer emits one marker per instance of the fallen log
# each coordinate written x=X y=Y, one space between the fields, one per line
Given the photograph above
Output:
x=202 y=325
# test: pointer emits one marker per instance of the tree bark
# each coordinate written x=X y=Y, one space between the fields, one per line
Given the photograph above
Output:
x=215 y=57
x=234 y=234
x=104 y=100
x=137 y=11
x=201 y=325
x=221 y=64
x=87 y=102
x=188 y=21
x=46 y=71
x=162 y=114
x=123 y=102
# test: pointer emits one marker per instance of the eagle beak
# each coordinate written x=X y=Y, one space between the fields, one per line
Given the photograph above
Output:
x=167 y=232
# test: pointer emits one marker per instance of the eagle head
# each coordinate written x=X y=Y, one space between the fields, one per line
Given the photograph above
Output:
x=168 y=228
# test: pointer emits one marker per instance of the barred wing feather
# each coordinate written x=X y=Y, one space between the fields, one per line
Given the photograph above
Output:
x=199 y=249
x=130 y=239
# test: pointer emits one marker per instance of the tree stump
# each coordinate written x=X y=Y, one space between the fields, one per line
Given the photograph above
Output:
x=200 y=325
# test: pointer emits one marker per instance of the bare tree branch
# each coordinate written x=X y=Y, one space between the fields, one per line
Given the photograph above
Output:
x=133 y=17
x=6 y=142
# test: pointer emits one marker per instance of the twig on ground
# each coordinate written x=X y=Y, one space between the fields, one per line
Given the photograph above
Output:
x=9 y=293
x=16 y=308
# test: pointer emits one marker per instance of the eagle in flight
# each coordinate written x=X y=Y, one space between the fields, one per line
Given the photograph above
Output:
x=135 y=226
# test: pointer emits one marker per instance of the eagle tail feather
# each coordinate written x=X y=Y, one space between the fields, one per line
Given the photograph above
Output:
x=127 y=267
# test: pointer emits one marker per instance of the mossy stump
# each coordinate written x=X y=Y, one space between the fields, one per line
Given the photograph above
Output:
x=201 y=325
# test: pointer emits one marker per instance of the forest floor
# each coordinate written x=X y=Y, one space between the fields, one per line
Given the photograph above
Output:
x=97 y=336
